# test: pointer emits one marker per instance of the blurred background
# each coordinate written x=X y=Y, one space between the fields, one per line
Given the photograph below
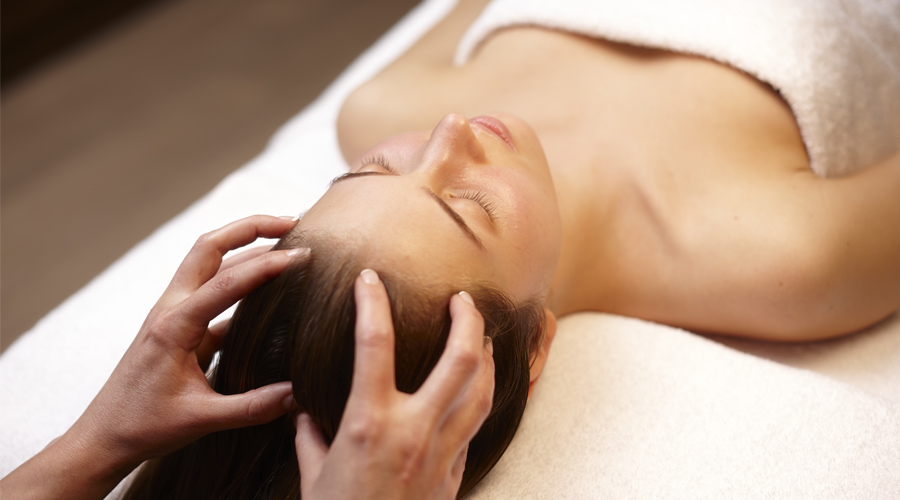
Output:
x=118 y=115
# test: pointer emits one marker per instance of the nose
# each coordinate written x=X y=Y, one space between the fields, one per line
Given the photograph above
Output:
x=453 y=142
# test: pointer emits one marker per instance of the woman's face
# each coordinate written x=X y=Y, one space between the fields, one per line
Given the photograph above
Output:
x=471 y=200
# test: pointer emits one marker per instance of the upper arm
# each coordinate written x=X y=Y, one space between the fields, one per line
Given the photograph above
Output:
x=860 y=222
x=785 y=255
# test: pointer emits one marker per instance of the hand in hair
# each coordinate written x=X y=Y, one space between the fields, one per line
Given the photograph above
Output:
x=396 y=445
x=158 y=398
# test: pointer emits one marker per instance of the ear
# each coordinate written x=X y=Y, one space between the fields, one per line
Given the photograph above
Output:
x=539 y=358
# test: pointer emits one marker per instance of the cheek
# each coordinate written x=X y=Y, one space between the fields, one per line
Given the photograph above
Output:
x=531 y=234
x=533 y=213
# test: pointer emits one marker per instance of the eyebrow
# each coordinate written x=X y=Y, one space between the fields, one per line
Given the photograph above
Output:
x=455 y=216
x=447 y=208
x=351 y=175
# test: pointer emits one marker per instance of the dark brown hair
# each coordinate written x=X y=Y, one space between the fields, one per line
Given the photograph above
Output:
x=300 y=327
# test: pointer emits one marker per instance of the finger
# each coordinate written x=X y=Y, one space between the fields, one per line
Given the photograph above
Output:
x=373 y=366
x=460 y=362
x=459 y=466
x=204 y=259
x=229 y=286
x=254 y=407
x=244 y=256
x=473 y=408
x=212 y=342
x=311 y=451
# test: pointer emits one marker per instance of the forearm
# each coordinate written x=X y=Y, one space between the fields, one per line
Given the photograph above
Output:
x=71 y=467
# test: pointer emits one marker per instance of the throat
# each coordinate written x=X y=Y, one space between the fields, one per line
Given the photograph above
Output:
x=589 y=203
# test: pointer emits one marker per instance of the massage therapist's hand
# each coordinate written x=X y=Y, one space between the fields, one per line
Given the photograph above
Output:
x=392 y=445
x=158 y=398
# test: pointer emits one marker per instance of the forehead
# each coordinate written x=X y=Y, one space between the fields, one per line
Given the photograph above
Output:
x=390 y=225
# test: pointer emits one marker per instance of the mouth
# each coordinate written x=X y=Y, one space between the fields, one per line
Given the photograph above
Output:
x=495 y=127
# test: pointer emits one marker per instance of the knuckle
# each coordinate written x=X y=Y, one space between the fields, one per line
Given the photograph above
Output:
x=366 y=428
x=160 y=310
x=159 y=331
x=358 y=433
x=164 y=320
x=374 y=336
x=414 y=453
x=484 y=403
x=413 y=448
x=465 y=359
x=224 y=280
x=256 y=409
x=271 y=260
x=204 y=240
x=260 y=222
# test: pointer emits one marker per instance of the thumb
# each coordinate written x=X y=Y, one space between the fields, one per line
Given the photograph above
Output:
x=311 y=450
x=255 y=407
x=459 y=466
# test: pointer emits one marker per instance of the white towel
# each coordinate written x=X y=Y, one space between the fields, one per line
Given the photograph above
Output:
x=627 y=409
x=835 y=62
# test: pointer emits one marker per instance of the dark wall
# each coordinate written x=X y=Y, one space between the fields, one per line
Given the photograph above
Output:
x=33 y=31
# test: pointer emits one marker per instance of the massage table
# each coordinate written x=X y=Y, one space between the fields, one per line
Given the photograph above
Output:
x=625 y=408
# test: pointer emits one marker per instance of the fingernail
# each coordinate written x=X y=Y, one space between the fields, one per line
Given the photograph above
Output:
x=369 y=276
x=298 y=252
x=468 y=298
x=287 y=402
x=489 y=344
x=292 y=218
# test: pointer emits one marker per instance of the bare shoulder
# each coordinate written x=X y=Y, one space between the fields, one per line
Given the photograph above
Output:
x=421 y=67
x=781 y=254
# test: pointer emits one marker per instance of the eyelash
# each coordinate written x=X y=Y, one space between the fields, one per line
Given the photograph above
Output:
x=481 y=199
x=476 y=196
x=380 y=160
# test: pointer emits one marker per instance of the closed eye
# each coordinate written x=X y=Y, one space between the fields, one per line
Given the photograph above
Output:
x=476 y=196
x=380 y=160
x=480 y=198
x=377 y=159
x=449 y=210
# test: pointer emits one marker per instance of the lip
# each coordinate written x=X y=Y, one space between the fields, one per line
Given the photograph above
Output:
x=496 y=127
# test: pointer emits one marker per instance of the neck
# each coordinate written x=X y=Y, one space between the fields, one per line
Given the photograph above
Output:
x=593 y=196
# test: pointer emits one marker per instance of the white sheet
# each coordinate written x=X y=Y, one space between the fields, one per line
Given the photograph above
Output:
x=626 y=408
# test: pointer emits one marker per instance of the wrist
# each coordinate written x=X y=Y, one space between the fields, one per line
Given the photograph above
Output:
x=69 y=468
x=99 y=456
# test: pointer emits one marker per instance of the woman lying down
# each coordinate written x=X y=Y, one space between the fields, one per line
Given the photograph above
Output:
x=628 y=180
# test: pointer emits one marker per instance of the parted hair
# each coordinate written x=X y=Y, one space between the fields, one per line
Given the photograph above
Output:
x=300 y=327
